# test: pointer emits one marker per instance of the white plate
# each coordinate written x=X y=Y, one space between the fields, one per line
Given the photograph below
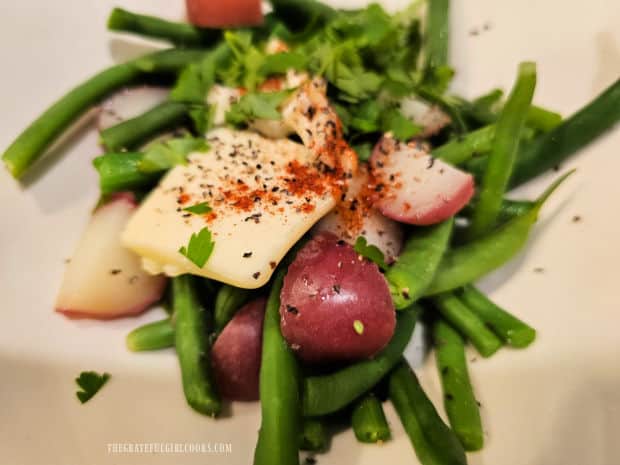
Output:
x=555 y=403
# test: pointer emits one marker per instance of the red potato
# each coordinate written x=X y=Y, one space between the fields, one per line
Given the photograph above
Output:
x=129 y=103
x=236 y=354
x=431 y=118
x=355 y=216
x=224 y=13
x=417 y=188
x=104 y=280
x=335 y=306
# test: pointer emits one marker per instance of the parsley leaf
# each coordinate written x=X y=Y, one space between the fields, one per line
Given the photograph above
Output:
x=256 y=106
x=370 y=252
x=162 y=156
x=401 y=127
x=196 y=79
x=199 y=209
x=199 y=248
x=89 y=383
x=363 y=150
x=280 y=63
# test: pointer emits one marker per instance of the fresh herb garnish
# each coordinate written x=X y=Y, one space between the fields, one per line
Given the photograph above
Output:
x=199 y=248
x=256 y=106
x=198 y=209
x=90 y=382
x=162 y=156
x=370 y=252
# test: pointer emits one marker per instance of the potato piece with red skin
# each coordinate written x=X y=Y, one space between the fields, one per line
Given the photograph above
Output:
x=236 y=354
x=104 y=280
x=417 y=188
x=224 y=13
x=334 y=305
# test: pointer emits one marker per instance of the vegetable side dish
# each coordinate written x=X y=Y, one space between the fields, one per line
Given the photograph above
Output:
x=298 y=189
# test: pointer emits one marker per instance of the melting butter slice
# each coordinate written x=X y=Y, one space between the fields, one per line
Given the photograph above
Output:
x=264 y=196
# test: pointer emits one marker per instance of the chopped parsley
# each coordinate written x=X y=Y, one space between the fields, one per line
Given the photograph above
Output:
x=199 y=248
x=162 y=156
x=199 y=209
x=89 y=383
x=358 y=326
x=370 y=252
x=256 y=105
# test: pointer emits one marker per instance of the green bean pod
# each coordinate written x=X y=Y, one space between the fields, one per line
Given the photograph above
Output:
x=415 y=268
x=508 y=327
x=369 y=422
x=574 y=133
x=121 y=171
x=503 y=155
x=228 y=300
x=437 y=33
x=181 y=34
x=192 y=346
x=278 y=437
x=37 y=137
x=462 y=149
x=314 y=437
x=132 y=133
x=329 y=393
x=468 y=323
x=433 y=441
x=467 y=263
x=151 y=336
x=458 y=394
x=297 y=14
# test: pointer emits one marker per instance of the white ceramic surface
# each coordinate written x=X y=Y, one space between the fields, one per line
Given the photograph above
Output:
x=557 y=402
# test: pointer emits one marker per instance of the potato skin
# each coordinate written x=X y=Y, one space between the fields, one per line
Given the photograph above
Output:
x=236 y=354
x=326 y=290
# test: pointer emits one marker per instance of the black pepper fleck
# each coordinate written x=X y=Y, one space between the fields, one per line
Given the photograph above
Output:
x=247 y=254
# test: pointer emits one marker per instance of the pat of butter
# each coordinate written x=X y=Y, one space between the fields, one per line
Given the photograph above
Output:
x=264 y=196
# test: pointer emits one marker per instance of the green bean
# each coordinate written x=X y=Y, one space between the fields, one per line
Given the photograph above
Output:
x=121 y=171
x=182 y=34
x=459 y=400
x=191 y=342
x=433 y=441
x=503 y=155
x=278 y=438
x=542 y=119
x=415 y=269
x=463 y=148
x=368 y=420
x=467 y=322
x=329 y=393
x=575 y=132
x=132 y=133
x=509 y=328
x=34 y=140
x=484 y=110
x=314 y=437
x=465 y=264
x=228 y=300
x=509 y=209
x=297 y=14
x=151 y=336
x=437 y=33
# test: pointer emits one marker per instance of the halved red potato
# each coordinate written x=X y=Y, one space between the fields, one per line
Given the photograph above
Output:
x=104 y=280
x=431 y=118
x=417 y=188
x=335 y=306
x=236 y=354
x=224 y=13
x=355 y=216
